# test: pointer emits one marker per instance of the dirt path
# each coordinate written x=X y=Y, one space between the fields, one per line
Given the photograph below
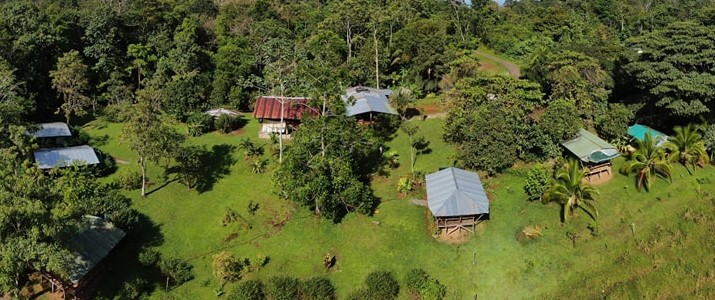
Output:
x=514 y=70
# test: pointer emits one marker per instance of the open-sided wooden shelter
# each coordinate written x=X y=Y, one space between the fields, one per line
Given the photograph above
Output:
x=456 y=199
x=593 y=152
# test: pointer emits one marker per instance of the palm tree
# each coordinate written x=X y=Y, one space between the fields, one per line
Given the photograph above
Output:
x=647 y=161
x=571 y=191
x=687 y=147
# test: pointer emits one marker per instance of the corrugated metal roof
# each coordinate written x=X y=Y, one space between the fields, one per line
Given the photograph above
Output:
x=456 y=192
x=57 y=129
x=590 y=148
x=368 y=100
x=269 y=107
x=638 y=131
x=221 y=111
x=92 y=244
x=62 y=157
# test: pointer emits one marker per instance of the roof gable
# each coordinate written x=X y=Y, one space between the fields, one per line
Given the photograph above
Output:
x=269 y=107
x=456 y=192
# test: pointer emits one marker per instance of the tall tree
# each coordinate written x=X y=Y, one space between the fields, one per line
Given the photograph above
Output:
x=69 y=79
x=569 y=190
x=146 y=132
x=328 y=167
x=674 y=67
x=489 y=120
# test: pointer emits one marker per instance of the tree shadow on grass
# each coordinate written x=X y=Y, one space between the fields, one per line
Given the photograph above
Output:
x=216 y=164
x=125 y=275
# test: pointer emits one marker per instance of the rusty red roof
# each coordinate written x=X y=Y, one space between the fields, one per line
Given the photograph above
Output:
x=269 y=107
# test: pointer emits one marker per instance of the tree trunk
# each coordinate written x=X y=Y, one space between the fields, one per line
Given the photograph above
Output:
x=280 y=131
x=412 y=157
x=142 y=162
x=377 y=57
x=348 y=41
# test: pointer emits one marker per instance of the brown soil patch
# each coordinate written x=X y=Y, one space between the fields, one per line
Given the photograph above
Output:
x=429 y=109
x=485 y=66
x=34 y=289
x=459 y=236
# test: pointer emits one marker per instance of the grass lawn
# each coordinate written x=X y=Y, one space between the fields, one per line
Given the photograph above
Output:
x=656 y=244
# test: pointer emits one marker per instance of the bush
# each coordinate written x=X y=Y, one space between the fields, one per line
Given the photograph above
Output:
x=248 y=290
x=129 y=179
x=177 y=270
x=538 y=181
x=226 y=123
x=106 y=165
x=149 y=257
x=282 y=288
x=226 y=267
x=381 y=285
x=405 y=185
x=199 y=123
x=134 y=289
x=317 y=288
x=421 y=284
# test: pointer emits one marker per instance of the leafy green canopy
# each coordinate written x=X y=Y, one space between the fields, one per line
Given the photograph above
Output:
x=328 y=165
x=674 y=67
x=489 y=120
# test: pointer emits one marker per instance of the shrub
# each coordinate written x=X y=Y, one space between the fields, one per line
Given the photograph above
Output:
x=381 y=285
x=421 y=284
x=106 y=165
x=257 y=262
x=317 y=288
x=199 y=123
x=226 y=123
x=248 y=290
x=537 y=182
x=177 y=270
x=148 y=257
x=405 y=185
x=258 y=165
x=129 y=179
x=282 y=288
x=226 y=267
x=250 y=148
x=134 y=289
x=252 y=207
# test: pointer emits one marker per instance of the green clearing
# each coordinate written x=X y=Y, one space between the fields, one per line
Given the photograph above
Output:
x=671 y=253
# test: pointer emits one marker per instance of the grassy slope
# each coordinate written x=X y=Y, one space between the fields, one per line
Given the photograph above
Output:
x=614 y=263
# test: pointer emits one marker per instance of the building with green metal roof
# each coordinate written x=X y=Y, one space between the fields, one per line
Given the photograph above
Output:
x=592 y=151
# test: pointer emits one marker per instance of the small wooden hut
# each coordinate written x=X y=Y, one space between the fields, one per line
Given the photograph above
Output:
x=92 y=245
x=593 y=152
x=456 y=199
x=268 y=112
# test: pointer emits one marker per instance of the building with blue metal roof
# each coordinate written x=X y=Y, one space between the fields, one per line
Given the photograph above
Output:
x=456 y=199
